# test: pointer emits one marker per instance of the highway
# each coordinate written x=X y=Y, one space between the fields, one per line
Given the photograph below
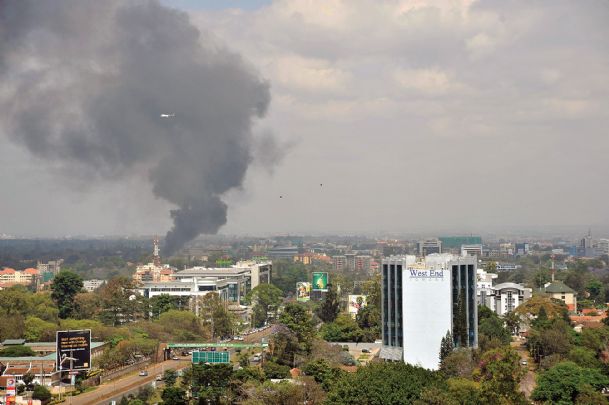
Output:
x=115 y=389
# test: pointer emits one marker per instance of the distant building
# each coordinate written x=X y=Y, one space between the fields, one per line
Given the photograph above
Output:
x=471 y=250
x=429 y=246
x=508 y=296
x=563 y=292
x=231 y=283
x=521 y=249
x=424 y=299
x=352 y=262
x=154 y=271
x=339 y=262
x=9 y=277
x=455 y=242
x=92 y=285
x=52 y=266
x=501 y=298
x=282 y=252
x=507 y=266
x=602 y=247
x=586 y=247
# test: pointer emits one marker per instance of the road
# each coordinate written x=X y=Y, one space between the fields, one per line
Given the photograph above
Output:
x=115 y=389
x=527 y=384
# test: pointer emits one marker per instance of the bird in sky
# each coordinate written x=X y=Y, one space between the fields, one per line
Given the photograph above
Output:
x=167 y=115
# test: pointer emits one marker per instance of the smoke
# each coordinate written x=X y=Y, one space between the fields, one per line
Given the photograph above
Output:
x=83 y=85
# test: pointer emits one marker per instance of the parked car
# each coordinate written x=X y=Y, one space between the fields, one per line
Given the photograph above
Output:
x=524 y=362
x=159 y=377
x=365 y=350
x=143 y=373
x=175 y=357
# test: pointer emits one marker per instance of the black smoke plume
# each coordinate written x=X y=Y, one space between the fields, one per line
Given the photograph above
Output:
x=83 y=84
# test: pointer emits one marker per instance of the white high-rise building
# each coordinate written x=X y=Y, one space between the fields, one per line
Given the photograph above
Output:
x=422 y=300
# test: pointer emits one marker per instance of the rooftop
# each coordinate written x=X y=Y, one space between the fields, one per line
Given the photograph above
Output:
x=559 y=287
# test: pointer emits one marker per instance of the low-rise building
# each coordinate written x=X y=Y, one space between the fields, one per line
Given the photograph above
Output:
x=560 y=291
x=10 y=276
x=92 y=285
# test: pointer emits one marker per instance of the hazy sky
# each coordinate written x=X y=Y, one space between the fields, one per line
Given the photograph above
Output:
x=415 y=115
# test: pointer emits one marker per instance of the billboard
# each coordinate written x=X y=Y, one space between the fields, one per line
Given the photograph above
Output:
x=211 y=357
x=303 y=291
x=320 y=281
x=11 y=390
x=356 y=302
x=73 y=350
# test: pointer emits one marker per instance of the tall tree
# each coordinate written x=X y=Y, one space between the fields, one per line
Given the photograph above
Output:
x=64 y=288
x=121 y=302
x=330 y=307
x=446 y=346
x=216 y=315
x=265 y=299
x=298 y=319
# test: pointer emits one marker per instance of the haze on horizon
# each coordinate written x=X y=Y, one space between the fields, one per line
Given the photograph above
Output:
x=414 y=115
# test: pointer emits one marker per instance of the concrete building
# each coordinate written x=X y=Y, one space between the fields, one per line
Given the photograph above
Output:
x=471 y=250
x=563 y=292
x=92 y=285
x=508 y=296
x=154 y=271
x=521 y=249
x=231 y=283
x=9 y=277
x=429 y=246
x=602 y=247
x=282 y=252
x=52 y=266
x=422 y=300
x=339 y=262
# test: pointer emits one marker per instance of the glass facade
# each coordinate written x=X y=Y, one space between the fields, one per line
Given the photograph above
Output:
x=465 y=310
x=385 y=304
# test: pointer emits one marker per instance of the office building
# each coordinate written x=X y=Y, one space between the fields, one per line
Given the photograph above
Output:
x=508 y=296
x=471 y=250
x=429 y=246
x=422 y=300
x=282 y=252
x=52 y=266
x=602 y=247
x=9 y=277
x=454 y=243
x=521 y=249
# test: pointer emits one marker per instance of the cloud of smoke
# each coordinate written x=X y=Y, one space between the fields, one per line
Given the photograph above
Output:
x=83 y=84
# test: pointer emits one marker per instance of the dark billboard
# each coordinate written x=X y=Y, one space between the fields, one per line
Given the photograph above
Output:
x=73 y=350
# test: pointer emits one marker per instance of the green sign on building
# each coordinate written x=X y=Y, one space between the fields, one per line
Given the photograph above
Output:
x=320 y=281
x=211 y=357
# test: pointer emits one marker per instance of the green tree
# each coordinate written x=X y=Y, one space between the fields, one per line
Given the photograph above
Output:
x=37 y=330
x=383 y=383
x=220 y=320
x=28 y=380
x=446 y=346
x=330 y=307
x=500 y=374
x=564 y=382
x=121 y=302
x=343 y=329
x=209 y=381
x=41 y=393
x=64 y=288
x=493 y=327
x=274 y=370
x=164 y=302
x=322 y=372
x=512 y=322
x=298 y=319
x=170 y=376
x=265 y=299
x=17 y=351
x=369 y=317
x=174 y=396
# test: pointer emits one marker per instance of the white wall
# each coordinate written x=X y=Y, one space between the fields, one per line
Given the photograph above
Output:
x=427 y=315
